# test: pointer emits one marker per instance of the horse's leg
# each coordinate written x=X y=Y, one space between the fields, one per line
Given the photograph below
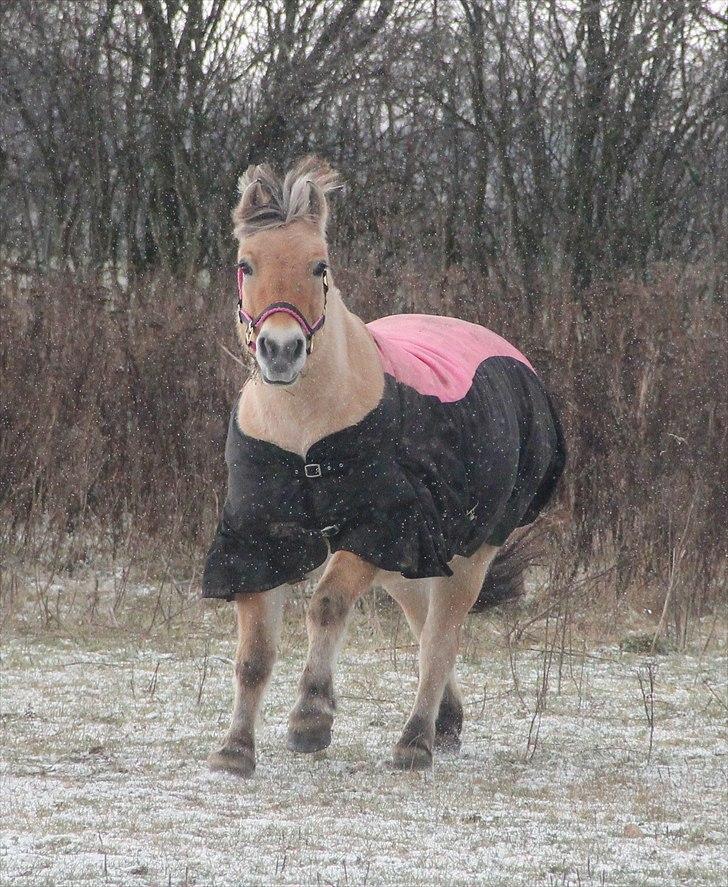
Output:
x=345 y=579
x=413 y=596
x=450 y=601
x=259 y=622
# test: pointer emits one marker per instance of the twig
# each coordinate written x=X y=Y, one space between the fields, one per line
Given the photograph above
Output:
x=646 y=677
x=676 y=560
x=237 y=360
x=722 y=701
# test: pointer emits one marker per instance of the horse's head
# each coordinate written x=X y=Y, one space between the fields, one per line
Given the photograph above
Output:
x=282 y=262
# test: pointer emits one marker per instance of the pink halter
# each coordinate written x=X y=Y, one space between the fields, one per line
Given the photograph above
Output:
x=279 y=308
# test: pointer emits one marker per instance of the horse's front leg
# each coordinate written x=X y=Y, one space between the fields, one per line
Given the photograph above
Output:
x=259 y=622
x=450 y=601
x=345 y=579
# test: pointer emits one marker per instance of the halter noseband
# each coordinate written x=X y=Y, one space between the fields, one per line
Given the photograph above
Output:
x=279 y=308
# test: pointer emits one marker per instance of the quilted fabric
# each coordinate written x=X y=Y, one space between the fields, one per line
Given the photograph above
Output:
x=463 y=447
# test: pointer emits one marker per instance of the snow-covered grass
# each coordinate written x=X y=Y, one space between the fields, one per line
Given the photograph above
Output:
x=106 y=730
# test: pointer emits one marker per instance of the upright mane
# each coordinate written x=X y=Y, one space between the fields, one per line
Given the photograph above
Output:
x=267 y=201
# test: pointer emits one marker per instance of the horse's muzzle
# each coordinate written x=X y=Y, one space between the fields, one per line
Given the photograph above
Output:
x=280 y=355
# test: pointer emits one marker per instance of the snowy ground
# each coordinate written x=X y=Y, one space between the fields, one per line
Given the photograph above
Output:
x=104 y=782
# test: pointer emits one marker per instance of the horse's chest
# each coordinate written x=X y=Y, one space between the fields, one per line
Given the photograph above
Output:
x=295 y=421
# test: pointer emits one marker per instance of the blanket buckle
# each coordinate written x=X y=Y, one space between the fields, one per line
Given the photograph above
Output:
x=312 y=469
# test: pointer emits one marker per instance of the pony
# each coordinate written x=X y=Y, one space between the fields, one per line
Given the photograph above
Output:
x=402 y=453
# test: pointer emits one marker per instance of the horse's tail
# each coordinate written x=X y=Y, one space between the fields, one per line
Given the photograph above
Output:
x=504 y=580
x=525 y=547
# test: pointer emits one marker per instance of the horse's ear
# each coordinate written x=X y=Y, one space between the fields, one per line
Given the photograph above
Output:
x=308 y=201
x=305 y=189
x=257 y=198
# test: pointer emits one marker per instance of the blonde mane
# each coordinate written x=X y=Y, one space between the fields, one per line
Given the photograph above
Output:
x=267 y=201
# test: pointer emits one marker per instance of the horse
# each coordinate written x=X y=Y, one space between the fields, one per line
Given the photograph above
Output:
x=402 y=453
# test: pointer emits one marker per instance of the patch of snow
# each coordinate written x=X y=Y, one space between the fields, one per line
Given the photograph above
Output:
x=104 y=777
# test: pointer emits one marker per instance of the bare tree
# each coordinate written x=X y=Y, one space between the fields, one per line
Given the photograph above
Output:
x=511 y=136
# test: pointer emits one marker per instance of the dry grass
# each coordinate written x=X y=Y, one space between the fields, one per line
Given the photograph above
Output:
x=115 y=406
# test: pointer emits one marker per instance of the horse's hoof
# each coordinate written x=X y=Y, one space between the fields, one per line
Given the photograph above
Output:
x=449 y=723
x=239 y=760
x=308 y=741
x=412 y=757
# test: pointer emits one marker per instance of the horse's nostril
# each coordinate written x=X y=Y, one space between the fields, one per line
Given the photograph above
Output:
x=297 y=348
x=266 y=346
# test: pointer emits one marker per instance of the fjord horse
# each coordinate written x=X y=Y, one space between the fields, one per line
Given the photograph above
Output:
x=393 y=460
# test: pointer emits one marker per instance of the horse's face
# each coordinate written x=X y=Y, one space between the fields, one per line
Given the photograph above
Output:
x=284 y=264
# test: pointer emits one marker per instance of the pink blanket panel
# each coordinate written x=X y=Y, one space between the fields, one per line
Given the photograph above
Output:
x=437 y=355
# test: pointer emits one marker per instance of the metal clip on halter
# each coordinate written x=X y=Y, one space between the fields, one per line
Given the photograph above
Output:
x=249 y=333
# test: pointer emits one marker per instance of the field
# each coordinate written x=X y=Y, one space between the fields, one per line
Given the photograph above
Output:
x=108 y=714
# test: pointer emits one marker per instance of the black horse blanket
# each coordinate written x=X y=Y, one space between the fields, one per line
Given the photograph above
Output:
x=463 y=447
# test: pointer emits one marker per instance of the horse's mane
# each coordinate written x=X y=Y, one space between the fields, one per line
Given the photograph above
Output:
x=267 y=201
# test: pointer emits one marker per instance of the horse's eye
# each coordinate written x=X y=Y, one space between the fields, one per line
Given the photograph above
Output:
x=319 y=268
x=245 y=268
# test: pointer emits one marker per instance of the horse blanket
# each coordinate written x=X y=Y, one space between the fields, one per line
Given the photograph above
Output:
x=463 y=447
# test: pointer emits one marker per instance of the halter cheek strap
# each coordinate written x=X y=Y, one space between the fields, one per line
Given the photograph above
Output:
x=309 y=330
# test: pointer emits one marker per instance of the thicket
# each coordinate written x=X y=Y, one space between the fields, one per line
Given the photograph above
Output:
x=115 y=407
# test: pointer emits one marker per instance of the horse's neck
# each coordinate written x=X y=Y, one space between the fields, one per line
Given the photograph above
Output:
x=341 y=383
